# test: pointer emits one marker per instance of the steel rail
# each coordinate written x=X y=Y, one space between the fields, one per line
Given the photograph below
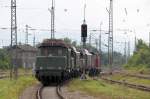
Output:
x=134 y=86
x=39 y=92
x=127 y=74
x=58 y=91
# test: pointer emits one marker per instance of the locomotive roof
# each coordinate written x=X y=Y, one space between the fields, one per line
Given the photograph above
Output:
x=94 y=53
x=54 y=42
x=85 y=51
x=75 y=50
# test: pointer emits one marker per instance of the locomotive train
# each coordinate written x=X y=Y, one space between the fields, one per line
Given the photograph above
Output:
x=58 y=61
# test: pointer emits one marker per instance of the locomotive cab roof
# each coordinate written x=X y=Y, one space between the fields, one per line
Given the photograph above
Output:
x=75 y=50
x=94 y=53
x=85 y=52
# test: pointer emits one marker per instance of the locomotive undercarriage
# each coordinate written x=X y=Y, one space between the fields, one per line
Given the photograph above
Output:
x=48 y=77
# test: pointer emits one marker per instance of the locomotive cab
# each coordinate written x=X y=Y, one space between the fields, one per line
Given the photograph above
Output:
x=85 y=59
x=95 y=65
x=52 y=61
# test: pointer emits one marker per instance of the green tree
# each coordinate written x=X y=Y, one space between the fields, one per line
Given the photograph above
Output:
x=4 y=59
x=141 y=57
x=74 y=43
x=67 y=40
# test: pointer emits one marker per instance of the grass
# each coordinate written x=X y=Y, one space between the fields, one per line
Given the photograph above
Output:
x=106 y=91
x=133 y=80
x=137 y=70
x=20 y=71
x=11 y=89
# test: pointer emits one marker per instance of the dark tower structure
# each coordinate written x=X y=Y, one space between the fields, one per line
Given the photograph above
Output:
x=83 y=39
x=84 y=30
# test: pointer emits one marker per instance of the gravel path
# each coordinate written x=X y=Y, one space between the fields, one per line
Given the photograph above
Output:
x=30 y=92
x=49 y=93
x=76 y=95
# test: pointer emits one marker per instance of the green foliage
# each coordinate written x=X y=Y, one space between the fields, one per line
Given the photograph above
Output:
x=69 y=41
x=118 y=58
x=74 y=43
x=141 y=45
x=4 y=59
x=140 y=58
x=12 y=89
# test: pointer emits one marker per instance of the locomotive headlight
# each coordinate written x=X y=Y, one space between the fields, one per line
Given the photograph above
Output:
x=41 y=67
x=59 y=67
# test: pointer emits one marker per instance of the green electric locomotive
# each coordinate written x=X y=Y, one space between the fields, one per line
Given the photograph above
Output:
x=56 y=62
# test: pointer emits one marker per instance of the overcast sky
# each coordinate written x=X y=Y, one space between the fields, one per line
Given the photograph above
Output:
x=69 y=17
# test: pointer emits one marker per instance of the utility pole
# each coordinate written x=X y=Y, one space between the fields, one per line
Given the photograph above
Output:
x=27 y=35
x=100 y=38
x=84 y=30
x=135 y=42
x=83 y=39
x=52 y=11
x=110 y=36
x=149 y=39
x=90 y=37
x=96 y=42
x=34 y=41
x=13 y=40
x=2 y=44
x=125 y=52
x=128 y=50
x=100 y=43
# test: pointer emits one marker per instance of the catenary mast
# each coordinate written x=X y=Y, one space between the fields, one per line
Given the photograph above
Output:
x=13 y=39
x=110 y=36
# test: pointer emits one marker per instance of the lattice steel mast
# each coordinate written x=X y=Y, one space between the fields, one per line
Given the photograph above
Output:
x=27 y=35
x=53 y=20
x=13 y=37
x=13 y=23
x=110 y=39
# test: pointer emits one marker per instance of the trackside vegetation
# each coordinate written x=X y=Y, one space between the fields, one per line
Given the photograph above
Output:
x=103 y=90
x=4 y=59
x=11 y=89
x=141 y=58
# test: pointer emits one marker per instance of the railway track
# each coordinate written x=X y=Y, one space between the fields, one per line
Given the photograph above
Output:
x=135 y=86
x=58 y=90
x=137 y=75
x=127 y=74
x=39 y=93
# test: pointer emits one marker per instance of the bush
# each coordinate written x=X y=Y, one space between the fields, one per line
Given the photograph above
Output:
x=141 y=58
x=4 y=59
